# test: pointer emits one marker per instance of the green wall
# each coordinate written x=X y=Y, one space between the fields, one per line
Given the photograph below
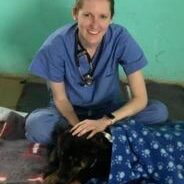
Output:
x=156 y=24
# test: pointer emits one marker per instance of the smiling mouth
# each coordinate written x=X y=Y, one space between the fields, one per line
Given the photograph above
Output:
x=93 y=32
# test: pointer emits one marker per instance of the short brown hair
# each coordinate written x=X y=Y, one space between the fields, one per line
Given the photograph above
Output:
x=78 y=5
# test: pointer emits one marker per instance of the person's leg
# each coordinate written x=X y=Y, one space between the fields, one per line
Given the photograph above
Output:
x=155 y=112
x=40 y=124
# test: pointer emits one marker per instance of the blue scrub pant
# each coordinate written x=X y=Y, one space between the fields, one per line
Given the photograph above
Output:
x=41 y=122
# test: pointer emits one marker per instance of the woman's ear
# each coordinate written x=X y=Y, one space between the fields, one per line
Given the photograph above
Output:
x=74 y=14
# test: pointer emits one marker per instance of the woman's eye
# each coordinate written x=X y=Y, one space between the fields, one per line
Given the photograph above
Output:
x=103 y=17
x=86 y=15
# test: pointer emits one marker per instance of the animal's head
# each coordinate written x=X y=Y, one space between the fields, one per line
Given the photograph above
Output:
x=79 y=156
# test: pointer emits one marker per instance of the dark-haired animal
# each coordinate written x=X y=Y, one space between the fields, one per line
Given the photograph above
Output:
x=75 y=160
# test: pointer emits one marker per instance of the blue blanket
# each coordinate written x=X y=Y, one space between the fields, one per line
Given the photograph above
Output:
x=151 y=154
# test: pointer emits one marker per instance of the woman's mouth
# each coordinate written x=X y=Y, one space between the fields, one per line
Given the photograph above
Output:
x=93 y=32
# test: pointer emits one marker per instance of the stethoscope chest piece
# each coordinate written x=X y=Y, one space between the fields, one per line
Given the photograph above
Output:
x=88 y=79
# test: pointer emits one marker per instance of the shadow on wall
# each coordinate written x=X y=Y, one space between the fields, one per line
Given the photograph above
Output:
x=32 y=24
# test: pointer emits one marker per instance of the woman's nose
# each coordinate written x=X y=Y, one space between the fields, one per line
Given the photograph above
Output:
x=94 y=22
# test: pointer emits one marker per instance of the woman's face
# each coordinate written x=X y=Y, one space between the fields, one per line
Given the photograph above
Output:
x=93 y=20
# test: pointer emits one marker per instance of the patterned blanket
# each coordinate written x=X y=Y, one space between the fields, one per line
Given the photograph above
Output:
x=147 y=154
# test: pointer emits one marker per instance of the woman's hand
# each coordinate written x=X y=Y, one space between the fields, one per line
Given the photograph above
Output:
x=92 y=126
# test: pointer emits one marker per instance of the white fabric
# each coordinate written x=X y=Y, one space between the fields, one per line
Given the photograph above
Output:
x=5 y=111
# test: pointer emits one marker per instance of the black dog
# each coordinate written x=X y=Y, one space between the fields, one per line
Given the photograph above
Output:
x=75 y=160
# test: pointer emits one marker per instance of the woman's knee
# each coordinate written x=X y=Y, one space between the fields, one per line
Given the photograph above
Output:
x=161 y=111
x=39 y=126
x=155 y=112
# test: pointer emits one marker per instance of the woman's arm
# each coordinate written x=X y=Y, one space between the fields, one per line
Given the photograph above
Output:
x=62 y=103
x=139 y=97
x=133 y=106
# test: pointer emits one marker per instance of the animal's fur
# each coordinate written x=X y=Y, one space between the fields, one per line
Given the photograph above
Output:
x=74 y=160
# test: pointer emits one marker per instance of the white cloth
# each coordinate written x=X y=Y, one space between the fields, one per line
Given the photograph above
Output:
x=5 y=111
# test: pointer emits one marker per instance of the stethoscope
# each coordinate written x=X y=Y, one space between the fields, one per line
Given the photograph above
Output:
x=87 y=78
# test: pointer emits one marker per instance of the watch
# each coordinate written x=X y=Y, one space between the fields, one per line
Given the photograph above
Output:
x=111 y=117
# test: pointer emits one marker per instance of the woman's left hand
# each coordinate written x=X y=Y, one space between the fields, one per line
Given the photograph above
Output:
x=88 y=125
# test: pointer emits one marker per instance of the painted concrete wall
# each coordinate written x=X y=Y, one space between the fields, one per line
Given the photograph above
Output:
x=157 y=25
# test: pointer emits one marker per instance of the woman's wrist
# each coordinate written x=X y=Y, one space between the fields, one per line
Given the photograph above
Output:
x=106 y=122
x=109 y=119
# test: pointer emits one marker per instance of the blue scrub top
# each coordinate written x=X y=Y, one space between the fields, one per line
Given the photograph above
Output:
x=56 y=61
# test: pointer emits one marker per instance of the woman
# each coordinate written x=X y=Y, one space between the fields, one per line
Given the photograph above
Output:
x=80 y=63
